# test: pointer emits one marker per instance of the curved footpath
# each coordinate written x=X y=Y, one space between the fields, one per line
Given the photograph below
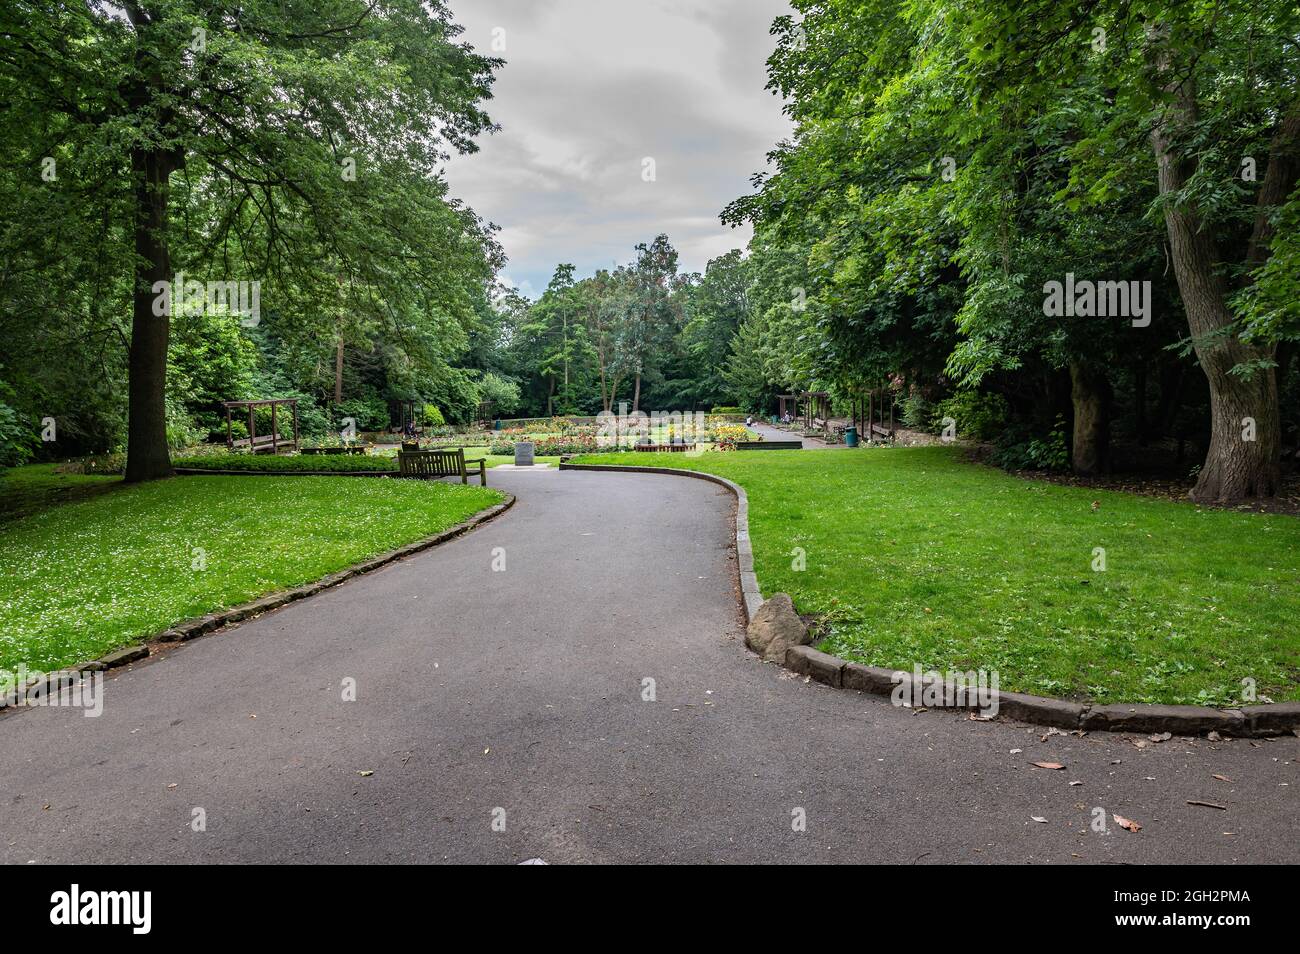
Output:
x=523 y=690
x=771 y=433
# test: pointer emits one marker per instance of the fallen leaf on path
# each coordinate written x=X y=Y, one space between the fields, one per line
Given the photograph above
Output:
x=1126 y=823
x=1039 y=819
x=1223 y=778
x=1162 y=737
x=1194 y=801
x=366 y=774
x=1213 y=736
x=1055 y=766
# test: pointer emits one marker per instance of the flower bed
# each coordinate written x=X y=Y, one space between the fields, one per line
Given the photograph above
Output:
x=728 y=435
x=575 y=443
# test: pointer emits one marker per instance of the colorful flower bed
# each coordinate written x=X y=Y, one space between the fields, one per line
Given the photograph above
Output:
x=726 y=436
x=552 y=445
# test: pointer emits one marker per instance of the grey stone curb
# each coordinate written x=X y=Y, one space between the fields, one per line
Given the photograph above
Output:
x=751 y=596
x=119 y=657
x=1275 y=719
x=193 y=628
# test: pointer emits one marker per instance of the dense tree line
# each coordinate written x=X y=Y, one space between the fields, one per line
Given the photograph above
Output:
x=1070 y=229
x=292 y=146
x=952 y=159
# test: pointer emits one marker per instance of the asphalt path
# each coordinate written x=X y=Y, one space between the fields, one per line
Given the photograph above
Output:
x=503 y=715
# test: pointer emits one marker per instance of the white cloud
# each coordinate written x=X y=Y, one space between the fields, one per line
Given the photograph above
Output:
x=590 y=87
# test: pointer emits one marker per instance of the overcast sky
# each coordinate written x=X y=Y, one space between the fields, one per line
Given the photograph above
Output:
x=590 y=89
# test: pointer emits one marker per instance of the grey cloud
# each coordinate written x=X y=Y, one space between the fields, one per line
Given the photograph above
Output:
x=587 y=92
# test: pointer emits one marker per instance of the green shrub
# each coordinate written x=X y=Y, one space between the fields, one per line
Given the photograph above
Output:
x=17 y=440
x=980 y=417
x=313 y=420
x=916 y=411
x=432 y=417
x=370 y=413
x=1037 y=453
x=269 y=463
x=502 y=391
x=181 y=431
x=726 y=410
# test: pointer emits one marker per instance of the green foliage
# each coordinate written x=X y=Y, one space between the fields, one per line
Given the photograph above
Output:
x=288 y=464
x=501 y=391
x=303 y=150
x=979 y=416
x=1050 y=453
x=18 y=441
x=916 y=412
x=209 y=360
x=369 y=413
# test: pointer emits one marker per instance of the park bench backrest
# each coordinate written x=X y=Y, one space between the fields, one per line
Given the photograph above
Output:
x=432 y=463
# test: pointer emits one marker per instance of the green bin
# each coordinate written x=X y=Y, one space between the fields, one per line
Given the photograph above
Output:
x=850 y=437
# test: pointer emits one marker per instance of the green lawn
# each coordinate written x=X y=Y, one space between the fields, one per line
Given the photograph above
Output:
x=915 y=556
x=114 y=563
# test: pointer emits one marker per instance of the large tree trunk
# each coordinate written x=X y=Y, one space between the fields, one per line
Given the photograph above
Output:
x=1140 y=403
x=1244 y=454
x=338 y=371
x=636 y=394
x=1090 y=393
x=147 y=457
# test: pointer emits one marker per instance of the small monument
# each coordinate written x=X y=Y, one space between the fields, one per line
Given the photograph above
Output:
x=523 y=453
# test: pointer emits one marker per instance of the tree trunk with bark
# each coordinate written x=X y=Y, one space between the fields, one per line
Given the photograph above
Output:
x=1244 y=456
x=1091 y=394
x=147 y=455
x=338 y=371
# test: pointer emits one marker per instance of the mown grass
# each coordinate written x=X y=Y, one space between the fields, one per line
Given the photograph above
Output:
x=915 y=556
x=85 y=576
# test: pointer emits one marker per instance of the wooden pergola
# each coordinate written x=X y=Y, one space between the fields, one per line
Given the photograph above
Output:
x=786 y=401
x=868 y=406
x=816 y=407
x=270 y=441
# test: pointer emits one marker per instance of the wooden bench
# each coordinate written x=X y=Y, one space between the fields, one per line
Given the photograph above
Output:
x=260 y=443
x=432 y=464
